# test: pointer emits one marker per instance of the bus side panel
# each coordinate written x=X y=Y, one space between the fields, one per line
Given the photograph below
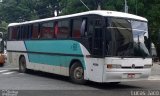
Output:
x=94 y=67
x=49 y=56
x=53 y=55
x=14 y=50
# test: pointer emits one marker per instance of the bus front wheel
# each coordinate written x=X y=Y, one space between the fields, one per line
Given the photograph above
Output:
x=22 y=65
x=77 y=73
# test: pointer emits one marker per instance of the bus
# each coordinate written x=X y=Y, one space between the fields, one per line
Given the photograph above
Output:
x=2 y=56
x=99 y=45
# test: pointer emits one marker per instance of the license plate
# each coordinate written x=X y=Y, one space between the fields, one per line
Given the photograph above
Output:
x=131 y=75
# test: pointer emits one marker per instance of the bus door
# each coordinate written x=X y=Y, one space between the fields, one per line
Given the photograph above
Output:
x=98 y=38
x=95 y=28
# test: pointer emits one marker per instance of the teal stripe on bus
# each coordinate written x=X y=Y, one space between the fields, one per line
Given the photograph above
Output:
x=54 y=46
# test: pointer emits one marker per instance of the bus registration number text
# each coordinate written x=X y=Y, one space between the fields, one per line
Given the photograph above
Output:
x=131 y=75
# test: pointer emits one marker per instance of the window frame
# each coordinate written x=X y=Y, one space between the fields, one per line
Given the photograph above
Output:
x=69 y=28
x=80 y=18
x=51 y=29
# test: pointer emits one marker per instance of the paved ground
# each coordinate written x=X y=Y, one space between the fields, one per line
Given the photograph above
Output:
x=155 y=74
x=44 y=84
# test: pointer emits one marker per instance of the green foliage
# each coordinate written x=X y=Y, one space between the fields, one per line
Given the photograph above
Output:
x=3 y=26
x=23 y=10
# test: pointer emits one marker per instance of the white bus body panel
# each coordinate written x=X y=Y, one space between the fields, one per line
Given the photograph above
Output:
x=13 y=58
x=94 y=68
x=97 y=70
x=121 y=74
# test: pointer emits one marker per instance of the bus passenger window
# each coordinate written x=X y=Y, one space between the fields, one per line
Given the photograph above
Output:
x=19 y=34
x=35 y=31
x=24 y=32
x=30 y=32
x=56 y=28
x=15 y=31
x=79 y=28
x=46 y=30
x=10 y=33
x=63 y=29
x=76 y=30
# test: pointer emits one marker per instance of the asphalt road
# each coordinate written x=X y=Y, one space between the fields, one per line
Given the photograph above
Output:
x=13 y=83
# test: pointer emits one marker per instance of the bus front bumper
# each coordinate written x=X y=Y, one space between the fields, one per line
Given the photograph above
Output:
x=126 y=75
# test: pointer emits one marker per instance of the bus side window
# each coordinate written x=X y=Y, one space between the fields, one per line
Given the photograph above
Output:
x=63 y=29
x=10 y=33
x=30 y=32
x=79 y=27
x=76 y=32
x=19 y=33
x=46 y=30
x=26 y=36
x=24 y=33
x=35 y=31
x=14 y=35
x=56 y=28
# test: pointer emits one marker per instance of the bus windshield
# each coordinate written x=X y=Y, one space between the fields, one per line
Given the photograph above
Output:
x=128 y=38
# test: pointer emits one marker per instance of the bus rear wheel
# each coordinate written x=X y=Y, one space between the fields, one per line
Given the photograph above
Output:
x=22 y=65
x=77 y=73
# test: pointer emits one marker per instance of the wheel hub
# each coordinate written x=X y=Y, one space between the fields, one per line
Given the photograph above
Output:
x=78 y=73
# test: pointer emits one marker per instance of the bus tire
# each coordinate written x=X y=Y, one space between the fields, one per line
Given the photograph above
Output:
x=77 y=73
x=22 y=65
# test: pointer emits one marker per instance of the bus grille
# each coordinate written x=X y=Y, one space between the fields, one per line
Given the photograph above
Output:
x=136 y=67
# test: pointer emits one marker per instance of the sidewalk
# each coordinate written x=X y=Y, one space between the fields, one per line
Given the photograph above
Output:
x=155 y=69
x=155 y=72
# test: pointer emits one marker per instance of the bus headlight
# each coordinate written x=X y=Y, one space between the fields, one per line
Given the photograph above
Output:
x=147 y=66
x=110 y=66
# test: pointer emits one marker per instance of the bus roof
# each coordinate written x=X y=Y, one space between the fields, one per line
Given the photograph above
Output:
x=95 y=12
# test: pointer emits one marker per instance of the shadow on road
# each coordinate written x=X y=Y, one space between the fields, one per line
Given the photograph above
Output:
x=103 y=86
x=109 y=86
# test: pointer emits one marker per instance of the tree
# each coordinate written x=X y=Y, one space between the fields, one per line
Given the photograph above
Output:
x=3 y=26
x=14 y=11
x=75 y=6
x=24 y=10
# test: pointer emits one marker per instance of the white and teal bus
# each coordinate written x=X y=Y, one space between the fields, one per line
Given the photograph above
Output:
x=100 y=46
